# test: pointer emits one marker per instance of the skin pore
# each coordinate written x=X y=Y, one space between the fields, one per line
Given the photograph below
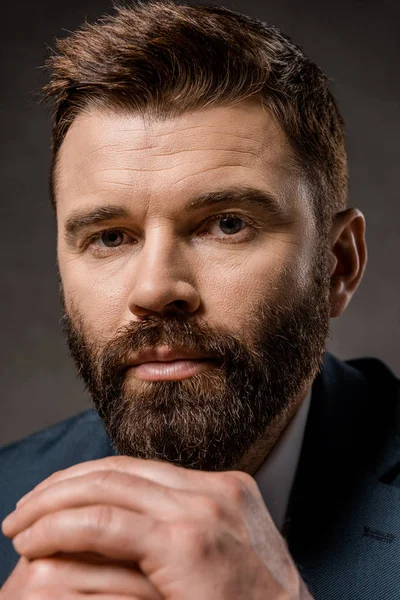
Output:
x=139 y=267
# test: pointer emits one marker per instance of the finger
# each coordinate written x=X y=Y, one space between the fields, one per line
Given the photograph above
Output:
x=78 y=596
x=94 y=558
x=71 y=573
x=105 y=487
x=158 y=471
x=114 y=532
x=102 y=597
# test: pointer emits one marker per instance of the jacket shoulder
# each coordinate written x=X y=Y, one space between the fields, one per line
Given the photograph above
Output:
x=52 y=432
x=26 y=462
x=374 y=369
x=74 y=435
x=383 y=384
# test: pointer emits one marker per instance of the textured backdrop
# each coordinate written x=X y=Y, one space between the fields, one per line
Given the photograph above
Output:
x=357 y=44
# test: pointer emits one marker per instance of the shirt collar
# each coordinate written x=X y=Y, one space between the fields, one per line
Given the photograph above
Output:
x=276 y=475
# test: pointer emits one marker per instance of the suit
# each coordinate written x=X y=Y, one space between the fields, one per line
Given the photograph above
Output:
x=343 y=526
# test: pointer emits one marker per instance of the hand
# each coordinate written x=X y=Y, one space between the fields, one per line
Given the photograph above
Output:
x=73 y=576
x=194 y=534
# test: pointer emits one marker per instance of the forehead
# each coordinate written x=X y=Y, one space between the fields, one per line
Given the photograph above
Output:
x=123 y=154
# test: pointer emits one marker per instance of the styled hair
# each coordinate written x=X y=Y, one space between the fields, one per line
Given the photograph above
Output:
x=162 y=59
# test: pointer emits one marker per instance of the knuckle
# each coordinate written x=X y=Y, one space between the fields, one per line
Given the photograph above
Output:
x=191 y=538
x=101 y=517
x=47 y=526
x=210 y=507
x=116 y=462
x=103 y=477
x=236 y=488
x=41 y=571
x=52 y=478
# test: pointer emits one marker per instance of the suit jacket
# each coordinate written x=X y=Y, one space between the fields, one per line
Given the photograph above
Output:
x=344 y=515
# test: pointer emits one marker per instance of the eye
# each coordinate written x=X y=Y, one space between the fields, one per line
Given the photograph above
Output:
x=231 y=224
x=107 y=242
x=109 y=239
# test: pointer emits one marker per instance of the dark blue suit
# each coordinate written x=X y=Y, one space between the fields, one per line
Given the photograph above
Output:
x=344 y=525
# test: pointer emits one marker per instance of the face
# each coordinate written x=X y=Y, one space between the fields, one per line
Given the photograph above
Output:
x=192 y=235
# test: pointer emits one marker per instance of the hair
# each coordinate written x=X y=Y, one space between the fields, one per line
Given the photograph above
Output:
x=162 y=59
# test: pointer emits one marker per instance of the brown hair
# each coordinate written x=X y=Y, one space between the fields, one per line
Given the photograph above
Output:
x=163 y=59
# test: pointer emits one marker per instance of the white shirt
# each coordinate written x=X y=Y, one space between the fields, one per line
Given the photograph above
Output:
x=276 y=475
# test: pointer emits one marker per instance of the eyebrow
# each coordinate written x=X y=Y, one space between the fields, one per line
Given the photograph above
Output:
x=243 y=196
x=80 y=220
x=240 y=196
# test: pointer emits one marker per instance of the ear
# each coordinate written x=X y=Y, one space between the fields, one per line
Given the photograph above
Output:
x=349 y=258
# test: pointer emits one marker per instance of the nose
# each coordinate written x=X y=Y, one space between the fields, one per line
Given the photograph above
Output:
x=163 y=279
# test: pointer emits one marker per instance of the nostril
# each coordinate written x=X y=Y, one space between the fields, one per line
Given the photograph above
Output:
x=177 y=306
x=181 y=304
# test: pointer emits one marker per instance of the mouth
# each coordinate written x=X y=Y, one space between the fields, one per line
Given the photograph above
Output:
x=171 y=370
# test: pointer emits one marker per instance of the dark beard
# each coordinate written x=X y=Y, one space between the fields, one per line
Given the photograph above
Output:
x=210 y=420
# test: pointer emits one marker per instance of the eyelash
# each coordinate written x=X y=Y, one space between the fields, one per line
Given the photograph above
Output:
x=98 y=251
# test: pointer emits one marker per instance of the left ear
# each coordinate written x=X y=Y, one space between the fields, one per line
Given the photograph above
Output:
x=349 y=250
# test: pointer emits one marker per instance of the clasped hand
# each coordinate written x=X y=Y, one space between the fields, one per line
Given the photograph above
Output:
x=158 y=530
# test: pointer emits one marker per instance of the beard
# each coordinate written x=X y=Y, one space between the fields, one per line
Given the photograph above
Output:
x=210 y=420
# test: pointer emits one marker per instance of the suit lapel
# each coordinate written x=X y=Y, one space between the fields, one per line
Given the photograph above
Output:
x=344 y=528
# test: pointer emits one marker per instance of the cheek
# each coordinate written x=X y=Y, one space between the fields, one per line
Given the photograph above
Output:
x=234 y=291
x=100 y=300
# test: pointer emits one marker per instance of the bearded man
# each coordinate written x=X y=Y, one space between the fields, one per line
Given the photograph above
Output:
x=199 y=180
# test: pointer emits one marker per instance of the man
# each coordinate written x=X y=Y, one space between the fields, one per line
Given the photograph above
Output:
x=199 y=180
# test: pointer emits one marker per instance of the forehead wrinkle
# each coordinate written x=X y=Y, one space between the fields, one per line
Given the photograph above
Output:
x=228 y=158
x=173 y=152
x=115 y=144
x=214 y=168
x=163 y=133
x=124 y=169
x=176 y=130
x=266 y=146
x=116 y=149
x=120 y=183
x=257 y=138
x=286 y=159
x=231 y=150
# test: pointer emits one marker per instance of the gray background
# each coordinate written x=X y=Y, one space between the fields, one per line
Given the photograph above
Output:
x=356 y=42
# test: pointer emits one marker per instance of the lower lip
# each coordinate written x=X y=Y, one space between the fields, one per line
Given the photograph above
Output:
x=171 y=370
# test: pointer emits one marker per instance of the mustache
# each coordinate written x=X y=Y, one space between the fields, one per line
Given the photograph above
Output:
x=152 y=331
x=175 y=332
